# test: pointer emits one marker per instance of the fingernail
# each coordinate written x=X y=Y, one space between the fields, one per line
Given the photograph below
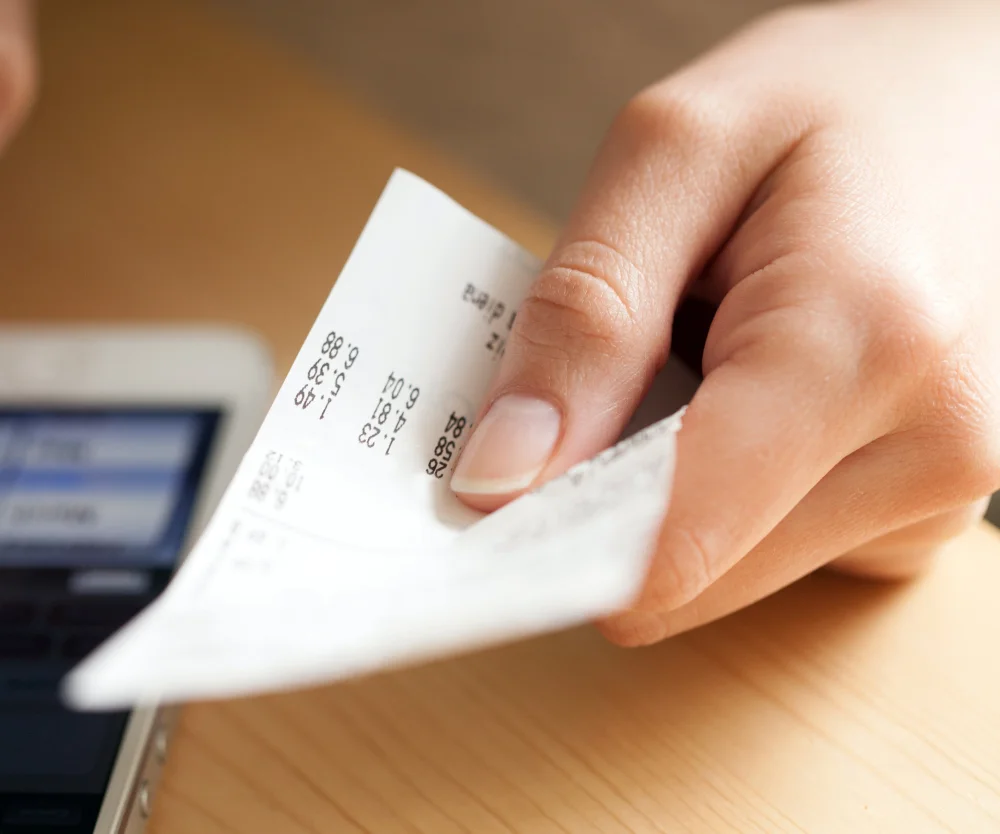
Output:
x=509 y=447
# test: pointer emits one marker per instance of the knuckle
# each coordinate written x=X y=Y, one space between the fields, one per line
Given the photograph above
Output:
x=777 y=319
x=587 y=297
x=686 y=116
x=909 y=332
x=958 y=421
x=970 y=455
x=917 y=355
x=848 y=319
x=902 y=329
x=686 y=564
x=820 y=337
x=694 y=565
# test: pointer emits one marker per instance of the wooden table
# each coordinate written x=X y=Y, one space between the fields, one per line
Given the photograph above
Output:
x=177 y=168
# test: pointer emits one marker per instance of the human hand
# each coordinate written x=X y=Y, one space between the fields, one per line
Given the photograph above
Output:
x=17 y=65
x=830 y=177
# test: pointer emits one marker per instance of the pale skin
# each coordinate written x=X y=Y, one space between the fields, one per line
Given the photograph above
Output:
x=830 y=178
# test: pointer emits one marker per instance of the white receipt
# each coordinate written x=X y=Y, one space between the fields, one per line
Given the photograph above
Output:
x=338 y=547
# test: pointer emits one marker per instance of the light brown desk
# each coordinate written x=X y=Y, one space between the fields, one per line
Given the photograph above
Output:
x=179 y=169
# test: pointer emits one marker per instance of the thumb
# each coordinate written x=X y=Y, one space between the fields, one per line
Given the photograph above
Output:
x=664 y=193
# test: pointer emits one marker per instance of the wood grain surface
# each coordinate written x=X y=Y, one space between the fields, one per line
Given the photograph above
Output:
x=835 y=706
x=179 y=169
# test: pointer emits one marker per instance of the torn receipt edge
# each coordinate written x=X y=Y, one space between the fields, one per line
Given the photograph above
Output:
x=338 y=548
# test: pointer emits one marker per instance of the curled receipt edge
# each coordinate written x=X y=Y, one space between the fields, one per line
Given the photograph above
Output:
x=338 y=548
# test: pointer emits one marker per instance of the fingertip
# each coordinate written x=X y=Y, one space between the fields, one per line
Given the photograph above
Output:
x=507 y=451
x=477 y=499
